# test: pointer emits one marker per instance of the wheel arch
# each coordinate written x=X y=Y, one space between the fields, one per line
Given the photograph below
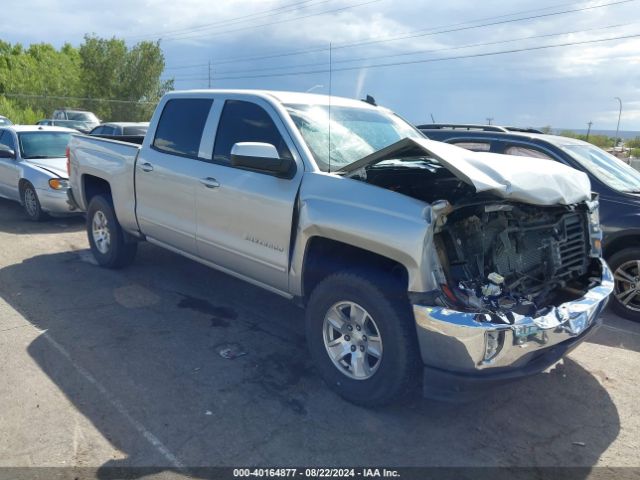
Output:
x=324 y=256
x=630 y=239
x=92 y=186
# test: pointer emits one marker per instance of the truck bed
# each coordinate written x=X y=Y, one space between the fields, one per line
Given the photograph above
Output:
x=109 y=160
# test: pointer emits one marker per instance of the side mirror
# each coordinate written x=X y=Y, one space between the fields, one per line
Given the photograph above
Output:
x=7 y=153
x=261 y=157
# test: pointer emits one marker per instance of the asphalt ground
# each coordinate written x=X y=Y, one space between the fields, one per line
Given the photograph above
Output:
x=103 y=369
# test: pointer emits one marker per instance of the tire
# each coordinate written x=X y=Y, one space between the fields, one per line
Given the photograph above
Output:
x=625 y=266
x=106 y=237
x=31 y=203
x=366 y=379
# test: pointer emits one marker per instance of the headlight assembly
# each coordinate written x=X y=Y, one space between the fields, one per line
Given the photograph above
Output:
x=59 y=183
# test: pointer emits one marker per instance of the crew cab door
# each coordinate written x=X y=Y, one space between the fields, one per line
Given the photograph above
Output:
x=166 y=174
x=9 y=167
x=245 y=217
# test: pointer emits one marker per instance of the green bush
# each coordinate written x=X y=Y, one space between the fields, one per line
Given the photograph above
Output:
x=37 y=80
x=19 y=115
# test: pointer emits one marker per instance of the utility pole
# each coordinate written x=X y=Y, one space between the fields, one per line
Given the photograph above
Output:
x=618 y=127
x=489 y=120
x=209 y=71
x=589 y=129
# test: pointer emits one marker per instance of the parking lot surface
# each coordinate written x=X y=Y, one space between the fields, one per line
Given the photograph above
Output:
x=107 y=368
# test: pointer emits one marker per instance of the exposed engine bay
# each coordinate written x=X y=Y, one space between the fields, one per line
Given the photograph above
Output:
x=498 y=256
x=515 y=257
x=420 y=178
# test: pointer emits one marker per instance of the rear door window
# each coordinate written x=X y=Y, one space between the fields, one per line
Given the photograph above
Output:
x=181 y=124
x=134 y=130
x=476 y=146
x=521 y=151
x=245 y=122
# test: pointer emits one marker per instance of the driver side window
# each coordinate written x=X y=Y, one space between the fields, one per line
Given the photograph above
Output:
x=245 y=122
x=6 y=141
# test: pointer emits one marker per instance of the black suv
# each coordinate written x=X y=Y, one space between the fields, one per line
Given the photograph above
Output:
x=617 y=184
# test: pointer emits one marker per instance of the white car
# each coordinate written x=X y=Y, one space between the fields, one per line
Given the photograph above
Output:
x=33 y=168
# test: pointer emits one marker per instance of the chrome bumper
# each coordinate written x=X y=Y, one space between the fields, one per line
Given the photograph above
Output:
x=458 y=342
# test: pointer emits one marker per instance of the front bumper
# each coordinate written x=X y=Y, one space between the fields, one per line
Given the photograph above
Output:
x=54 y=201
x=458 y=345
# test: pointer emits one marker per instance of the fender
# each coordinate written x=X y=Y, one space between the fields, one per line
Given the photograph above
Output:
x=365 y=216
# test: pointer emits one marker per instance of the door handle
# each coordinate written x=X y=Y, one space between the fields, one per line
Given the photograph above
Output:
x=146 y=167
x=210 y=182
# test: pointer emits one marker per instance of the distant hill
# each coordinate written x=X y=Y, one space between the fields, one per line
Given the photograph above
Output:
x=624 y=134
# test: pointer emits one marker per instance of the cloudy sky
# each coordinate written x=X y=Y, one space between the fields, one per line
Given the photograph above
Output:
x=418 y=57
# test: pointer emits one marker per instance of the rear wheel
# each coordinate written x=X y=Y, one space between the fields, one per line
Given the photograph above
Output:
x=626 y=273
x=31 y=203
x=107 y=239
x=362 y=338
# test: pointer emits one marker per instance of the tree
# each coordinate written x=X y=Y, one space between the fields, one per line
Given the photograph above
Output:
x=39 y=79
x=635 y=143
x=130 y=77
x=28 y=78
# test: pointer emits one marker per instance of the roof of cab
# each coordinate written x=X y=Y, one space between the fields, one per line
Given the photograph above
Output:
x=296 y=98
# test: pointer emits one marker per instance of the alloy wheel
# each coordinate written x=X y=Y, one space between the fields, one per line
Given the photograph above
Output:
x=627 y=284
x=352 y=340
x=31 y=202
x=100 y=232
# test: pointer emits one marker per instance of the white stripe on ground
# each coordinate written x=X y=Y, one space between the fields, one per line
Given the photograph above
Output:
x=621 y=330
x=115 y=403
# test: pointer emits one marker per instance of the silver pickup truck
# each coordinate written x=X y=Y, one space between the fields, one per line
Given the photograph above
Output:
x=408 y=255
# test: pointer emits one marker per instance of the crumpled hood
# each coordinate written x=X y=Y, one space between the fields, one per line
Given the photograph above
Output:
x=55 y=166
x=523 y=179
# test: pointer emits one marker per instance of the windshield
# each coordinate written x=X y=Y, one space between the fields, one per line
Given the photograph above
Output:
x=605 y=167
x=355 y=132
x=82 y=116
x=5 y=121
x=43 y=144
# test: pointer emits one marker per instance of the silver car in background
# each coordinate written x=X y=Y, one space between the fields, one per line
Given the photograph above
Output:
x=33 y=168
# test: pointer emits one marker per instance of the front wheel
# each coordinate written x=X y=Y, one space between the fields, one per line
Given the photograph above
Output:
x=362 y=338
x=31 y=203
x=106 y=237
x=625 y=265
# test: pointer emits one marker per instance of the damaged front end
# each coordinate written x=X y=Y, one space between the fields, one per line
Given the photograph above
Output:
x=520 y=285
x=503 y=260
x=511 y=258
